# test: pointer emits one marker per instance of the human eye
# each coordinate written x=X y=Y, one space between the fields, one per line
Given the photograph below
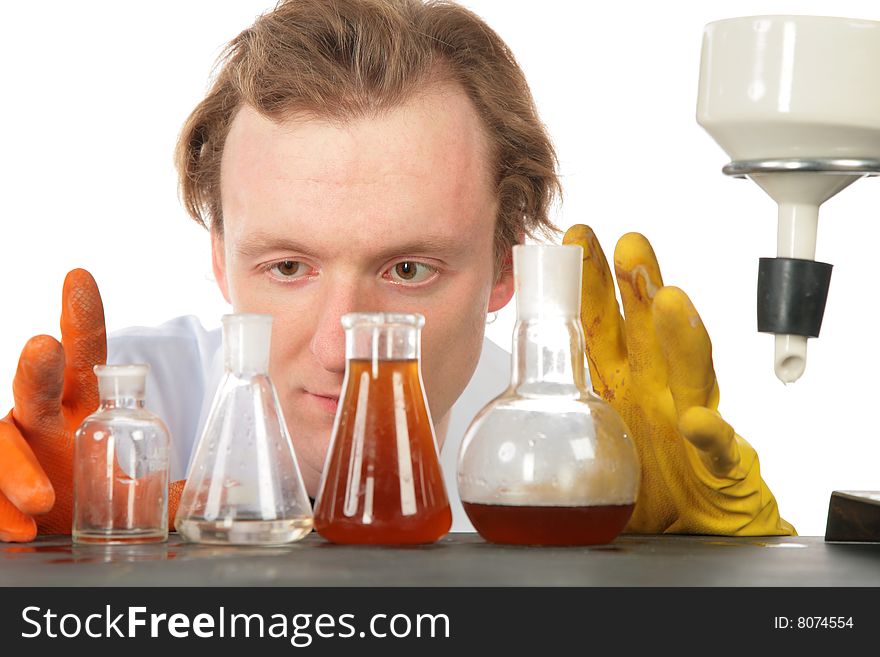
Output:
x=410 y=272
x=288 y=270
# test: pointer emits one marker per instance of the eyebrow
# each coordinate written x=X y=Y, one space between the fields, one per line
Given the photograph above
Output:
x=259 y=243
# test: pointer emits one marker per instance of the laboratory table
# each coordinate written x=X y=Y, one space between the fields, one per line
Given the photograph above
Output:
x=456 y=560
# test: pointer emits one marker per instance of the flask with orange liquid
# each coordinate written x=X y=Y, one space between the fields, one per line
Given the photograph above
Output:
x=382 y=482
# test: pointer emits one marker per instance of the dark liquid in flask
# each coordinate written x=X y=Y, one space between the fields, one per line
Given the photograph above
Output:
x=383 y=483
x=548 y=525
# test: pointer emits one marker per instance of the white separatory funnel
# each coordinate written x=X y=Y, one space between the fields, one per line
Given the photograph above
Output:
x=795 y=102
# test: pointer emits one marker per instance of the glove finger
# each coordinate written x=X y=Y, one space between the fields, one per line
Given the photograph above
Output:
x=15 y=525
x=600 y=314
x=639 y=279
x=37 y=389
x=686 y=348
x=715 y=439
x=85 y=343
x=175 y=490
x=22 y=480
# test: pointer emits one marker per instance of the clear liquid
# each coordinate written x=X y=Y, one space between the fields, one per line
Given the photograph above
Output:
x=245 y=532
x=119 y=536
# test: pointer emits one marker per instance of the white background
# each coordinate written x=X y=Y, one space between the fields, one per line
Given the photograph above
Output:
x=94 y=93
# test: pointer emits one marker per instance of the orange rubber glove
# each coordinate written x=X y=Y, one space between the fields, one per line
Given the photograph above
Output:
x=54 y=390
x=655 y=368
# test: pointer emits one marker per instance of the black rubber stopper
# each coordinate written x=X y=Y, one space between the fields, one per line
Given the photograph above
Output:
x=792 y=295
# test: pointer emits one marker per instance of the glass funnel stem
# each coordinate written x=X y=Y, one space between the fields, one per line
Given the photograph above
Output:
x=548 y=357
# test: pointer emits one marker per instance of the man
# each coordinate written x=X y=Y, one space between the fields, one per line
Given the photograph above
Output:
x=384 y=155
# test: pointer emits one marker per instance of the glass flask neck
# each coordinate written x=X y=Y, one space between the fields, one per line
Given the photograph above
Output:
x=378 y=336
x=237 y=368
x=548 y=357
x=246 y=341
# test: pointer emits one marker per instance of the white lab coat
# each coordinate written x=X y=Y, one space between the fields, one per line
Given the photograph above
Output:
x=186 y=366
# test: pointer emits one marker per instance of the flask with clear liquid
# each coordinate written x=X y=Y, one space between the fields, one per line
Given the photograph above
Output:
x=548 y=462
x=382 y=482
x=121 y=464
x=244 y=485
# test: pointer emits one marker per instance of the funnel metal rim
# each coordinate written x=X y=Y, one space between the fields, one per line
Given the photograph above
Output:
x=842 y=166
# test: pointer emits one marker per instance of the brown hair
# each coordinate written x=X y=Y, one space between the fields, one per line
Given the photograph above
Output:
x=343 y=59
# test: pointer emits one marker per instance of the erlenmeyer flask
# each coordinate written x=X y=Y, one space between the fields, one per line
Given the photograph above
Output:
x=548 y=462
x=244 y=485
x=382 y=482
x=120 y=464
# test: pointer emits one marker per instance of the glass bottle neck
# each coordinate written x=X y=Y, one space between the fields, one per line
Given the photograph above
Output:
x=109 y=403
x=548 y=357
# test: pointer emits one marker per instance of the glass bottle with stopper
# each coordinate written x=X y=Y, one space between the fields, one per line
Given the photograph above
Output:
x=548 y=462
x=121 y=464
x=382 y=482
x=244 y=485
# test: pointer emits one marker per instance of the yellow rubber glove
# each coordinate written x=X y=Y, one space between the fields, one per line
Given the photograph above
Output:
x=655 y=368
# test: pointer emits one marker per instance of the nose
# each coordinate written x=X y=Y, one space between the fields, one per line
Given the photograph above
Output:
x=328 y=341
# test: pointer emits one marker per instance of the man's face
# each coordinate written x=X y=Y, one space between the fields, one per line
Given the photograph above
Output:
x=391 y=213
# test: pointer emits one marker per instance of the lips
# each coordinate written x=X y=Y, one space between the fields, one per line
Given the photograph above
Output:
x=328 y=403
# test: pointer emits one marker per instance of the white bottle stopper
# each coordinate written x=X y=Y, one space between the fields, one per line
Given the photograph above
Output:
x=547 y=280
x=121 y=381
x=246 y=340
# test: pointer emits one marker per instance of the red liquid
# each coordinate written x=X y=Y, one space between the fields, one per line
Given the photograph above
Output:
x=548 y=525
x=383 y=483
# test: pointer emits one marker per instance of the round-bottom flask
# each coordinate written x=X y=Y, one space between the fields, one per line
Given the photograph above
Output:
x=548 y=462
x=244 y=485
x=121 y=464
x=382 y=482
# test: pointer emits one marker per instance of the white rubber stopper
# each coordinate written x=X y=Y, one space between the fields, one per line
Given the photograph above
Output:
x=246 y=340
x=547 y=280
x=121 y=381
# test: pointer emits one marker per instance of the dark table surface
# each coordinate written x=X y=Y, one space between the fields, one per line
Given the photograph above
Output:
x=457 y=560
